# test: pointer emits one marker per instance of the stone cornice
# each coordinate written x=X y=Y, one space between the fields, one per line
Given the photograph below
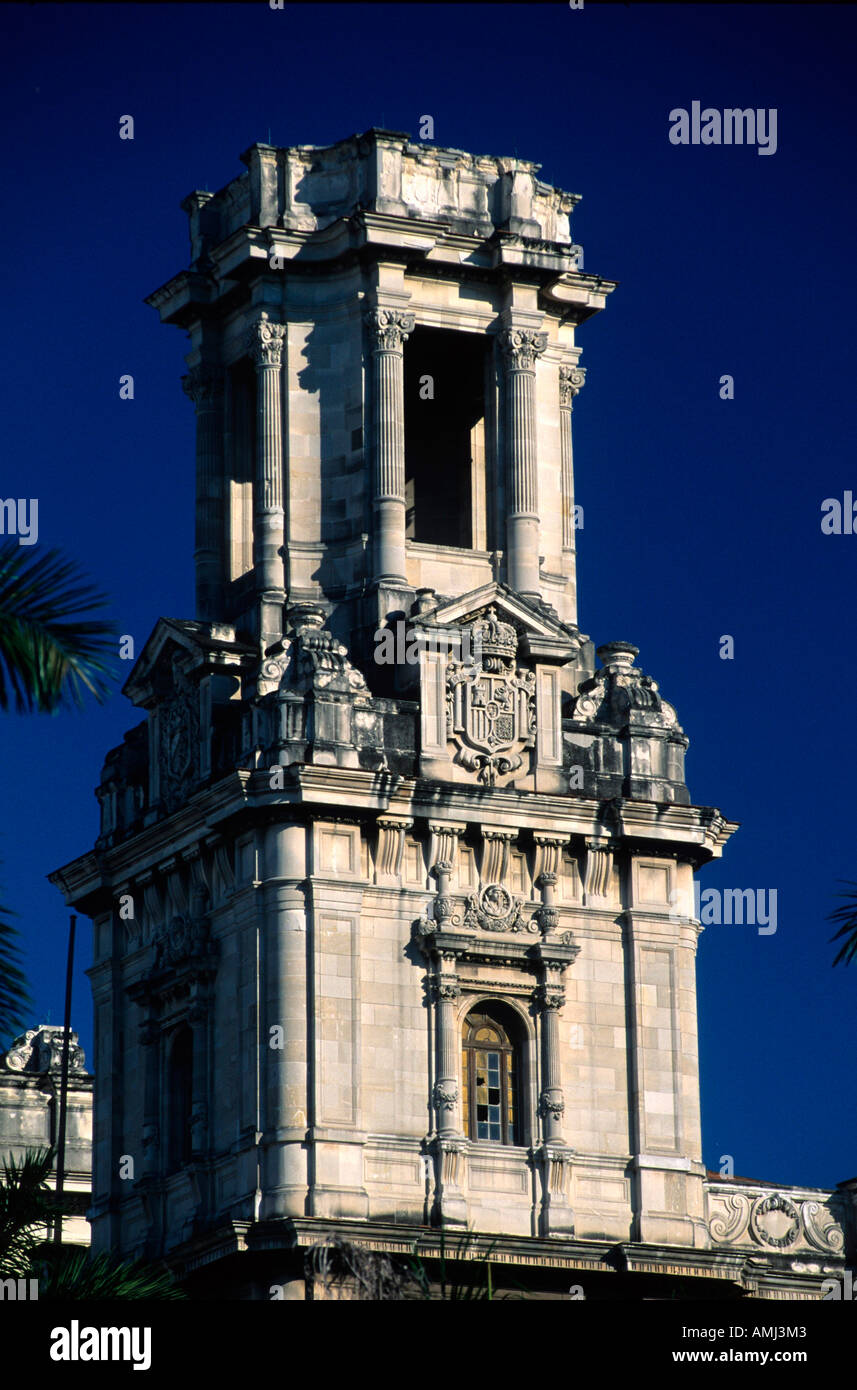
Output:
x=696 y=833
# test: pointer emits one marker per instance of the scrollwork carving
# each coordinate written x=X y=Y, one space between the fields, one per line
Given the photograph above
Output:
x=389 y=328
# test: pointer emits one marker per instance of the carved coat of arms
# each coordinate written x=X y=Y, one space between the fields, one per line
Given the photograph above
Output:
x=490 y=703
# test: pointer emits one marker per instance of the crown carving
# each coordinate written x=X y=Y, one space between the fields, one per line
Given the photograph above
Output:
x=494 y=639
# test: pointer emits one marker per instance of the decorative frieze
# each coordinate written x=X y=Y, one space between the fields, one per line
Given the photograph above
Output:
x=784 y=1220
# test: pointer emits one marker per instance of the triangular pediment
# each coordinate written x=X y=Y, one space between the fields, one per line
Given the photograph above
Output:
x=192 y=644
x=541 y=633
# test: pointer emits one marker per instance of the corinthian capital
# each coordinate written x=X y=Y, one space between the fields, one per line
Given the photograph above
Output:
x=204 y=386
x=390 y=327
x=265 y=342
x=571 y=380
x=521 y=347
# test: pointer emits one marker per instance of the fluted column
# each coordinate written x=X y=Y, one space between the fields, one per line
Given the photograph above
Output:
x=571 y=381
x=521 y=347
x=550 y=998
x=446 y=1097
x=389 y=328
x=204 y=386
x=265 y=345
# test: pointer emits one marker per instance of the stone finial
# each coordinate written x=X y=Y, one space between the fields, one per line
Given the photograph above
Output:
x=617 y=656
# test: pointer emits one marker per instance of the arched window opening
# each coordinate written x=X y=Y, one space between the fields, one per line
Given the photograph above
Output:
x=180 y=1097
x=491 y=1072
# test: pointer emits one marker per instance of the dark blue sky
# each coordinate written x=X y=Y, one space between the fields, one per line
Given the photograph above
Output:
x=702 y=516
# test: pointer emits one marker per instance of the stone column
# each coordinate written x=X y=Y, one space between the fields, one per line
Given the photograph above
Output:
x=521 y=347
x=556 y=1217
x=446 y=1097
x=265 y=344
x=204 y=385
x=283 y=1039
x=389 y=328
x=550 y=998
x=571 y=381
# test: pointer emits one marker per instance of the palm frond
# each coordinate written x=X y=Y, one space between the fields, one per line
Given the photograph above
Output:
x=846 y=917
x=26 y=1206
x=69 y=1273
x=50 y=651
x=15 y=1001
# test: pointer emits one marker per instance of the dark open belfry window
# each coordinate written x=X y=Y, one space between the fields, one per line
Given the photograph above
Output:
x=445 y=374
x=180 y=1097
x=491 y=1076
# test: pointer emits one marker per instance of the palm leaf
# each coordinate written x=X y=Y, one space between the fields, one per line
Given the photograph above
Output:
x=846 y=917
x=15 y=999
x=26 y=1206
x=69 y=1273
x=50 y=652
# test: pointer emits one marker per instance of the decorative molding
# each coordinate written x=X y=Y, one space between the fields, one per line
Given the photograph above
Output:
x=775 y=1221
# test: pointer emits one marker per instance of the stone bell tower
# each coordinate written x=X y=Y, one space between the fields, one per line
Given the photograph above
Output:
x=393 y=895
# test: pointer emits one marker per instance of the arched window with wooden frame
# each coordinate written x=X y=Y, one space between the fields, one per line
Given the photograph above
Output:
x=491 y=1075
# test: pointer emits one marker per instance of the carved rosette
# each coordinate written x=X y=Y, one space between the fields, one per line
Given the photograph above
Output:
x=571 y=381
x=521 y=347
x=389 y=328
x=265 y=342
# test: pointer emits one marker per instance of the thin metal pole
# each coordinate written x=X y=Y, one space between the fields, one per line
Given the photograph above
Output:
x=64 y=1076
